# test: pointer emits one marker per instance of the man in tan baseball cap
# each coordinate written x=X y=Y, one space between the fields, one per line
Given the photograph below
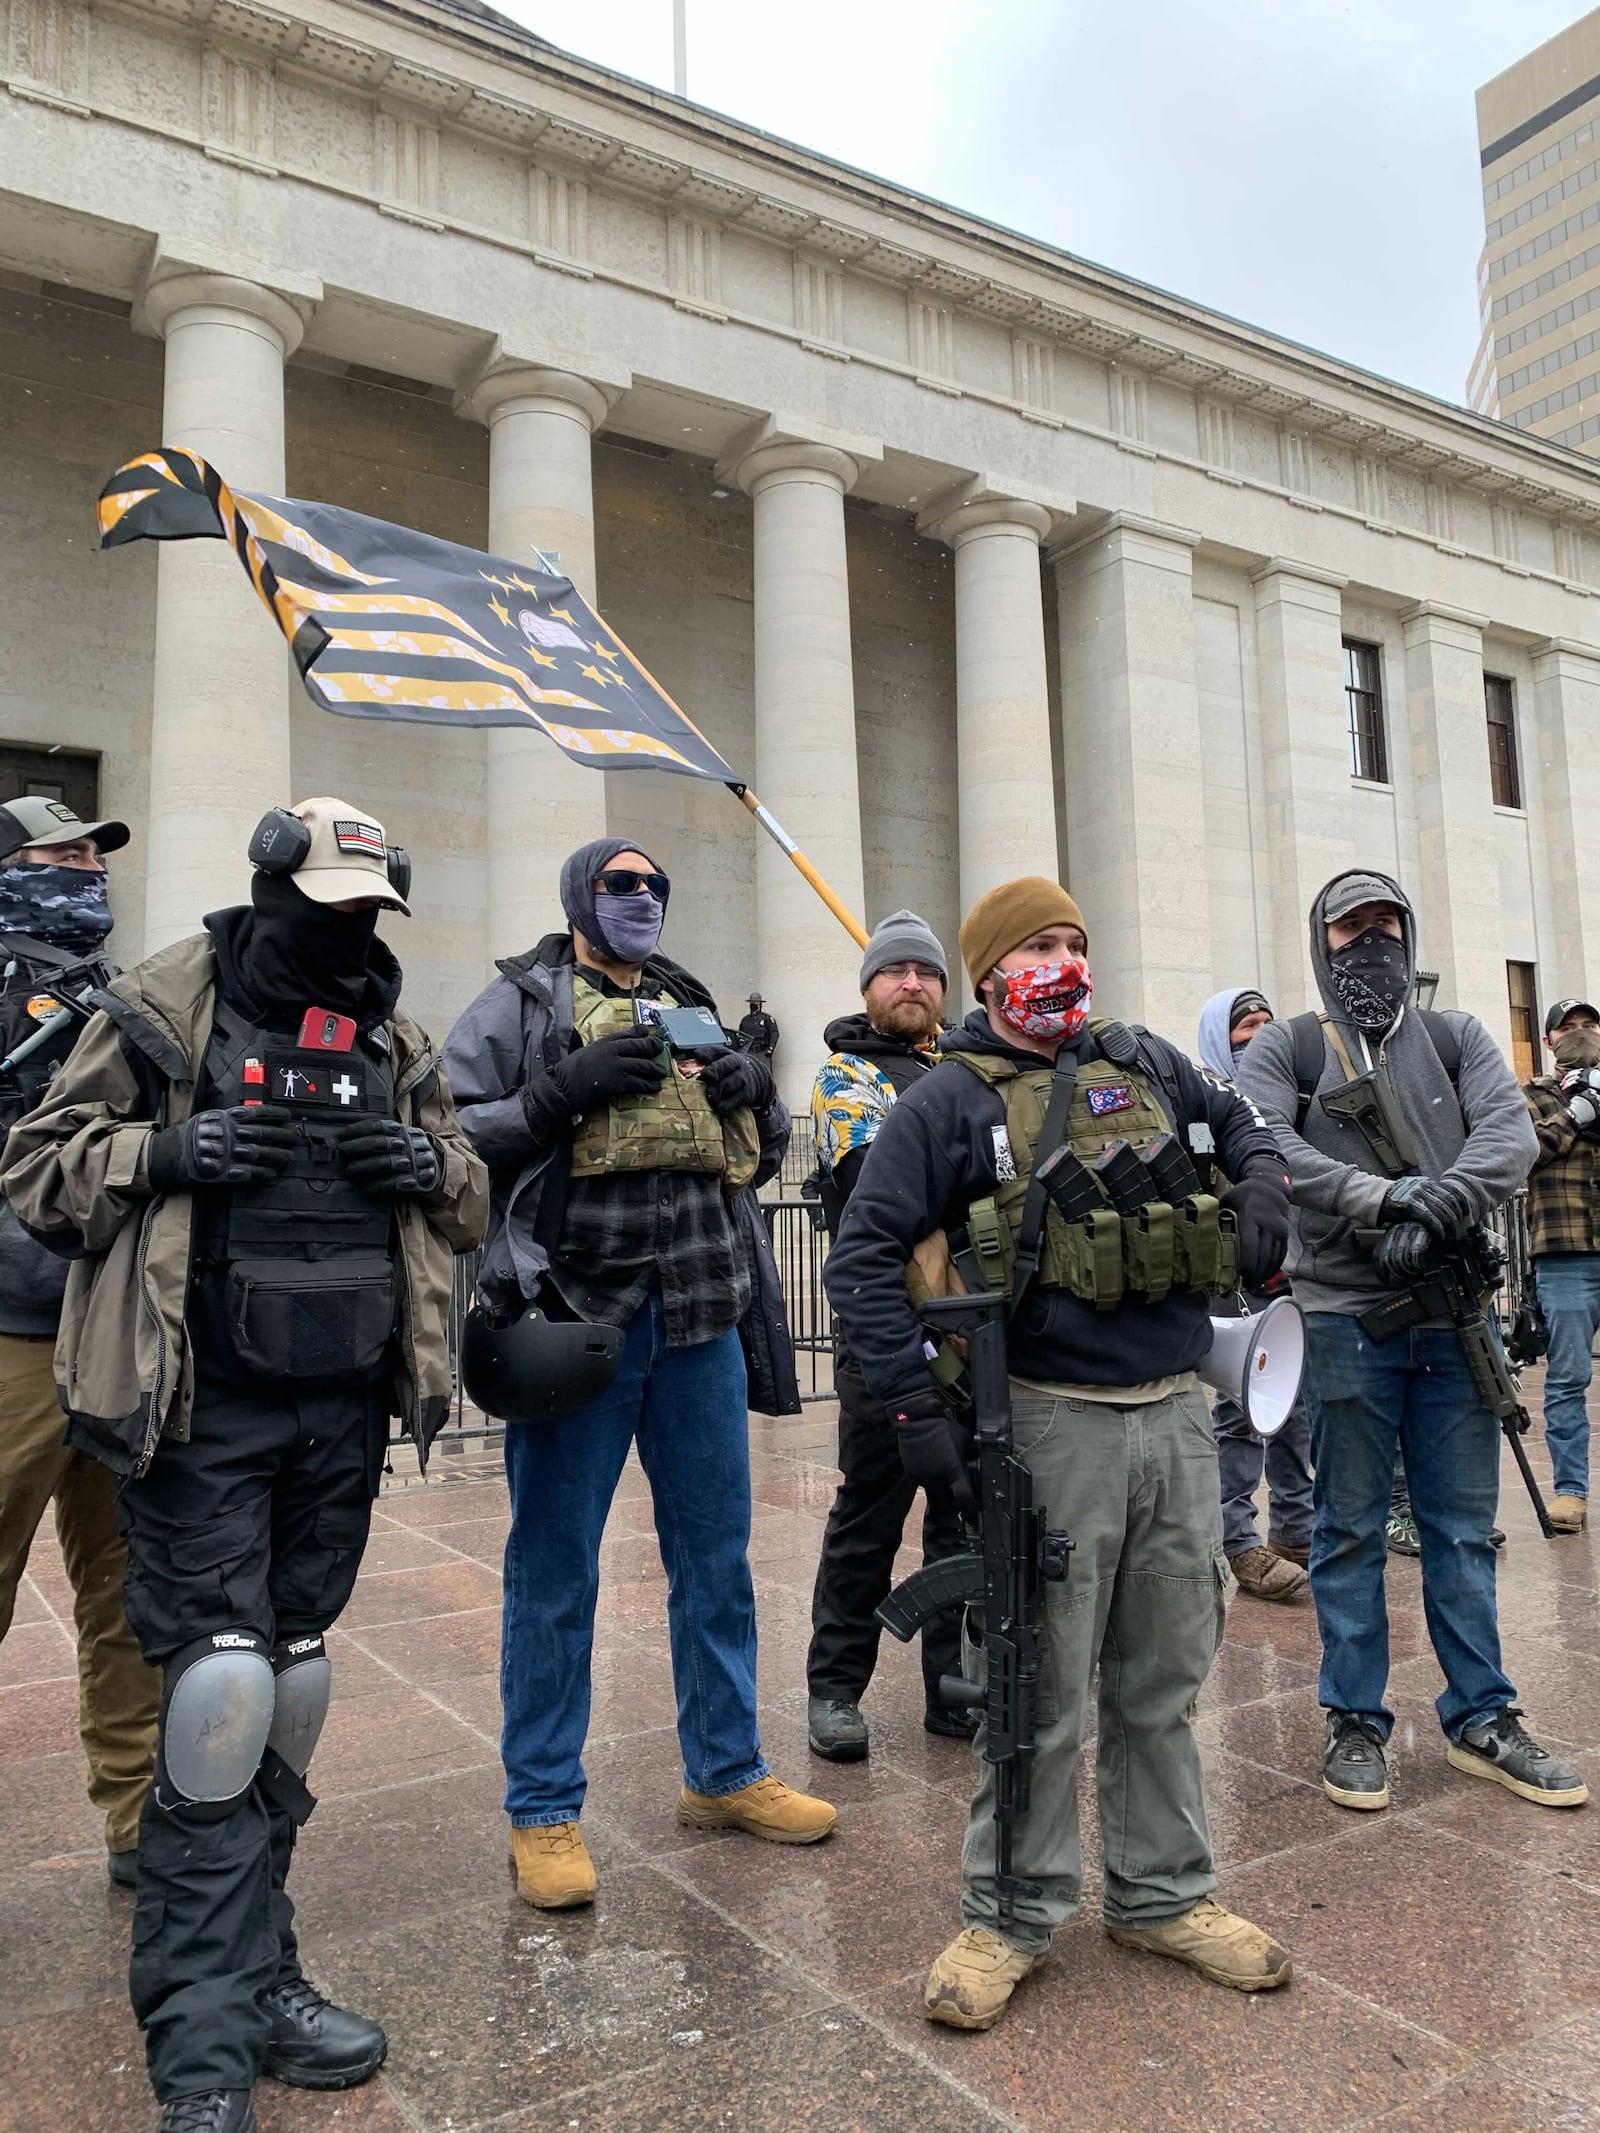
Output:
x=335 y=854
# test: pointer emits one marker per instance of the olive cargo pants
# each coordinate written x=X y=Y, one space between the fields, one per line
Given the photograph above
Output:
x=1144 y=1600
x=118 y=1694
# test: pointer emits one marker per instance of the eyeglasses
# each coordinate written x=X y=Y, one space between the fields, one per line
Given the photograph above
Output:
x=623 y=881
x=925 y=971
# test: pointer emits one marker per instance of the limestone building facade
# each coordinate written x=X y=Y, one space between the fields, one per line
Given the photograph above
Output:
x=974 y=558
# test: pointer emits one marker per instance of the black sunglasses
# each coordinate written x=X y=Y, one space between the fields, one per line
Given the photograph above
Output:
x=623 y=881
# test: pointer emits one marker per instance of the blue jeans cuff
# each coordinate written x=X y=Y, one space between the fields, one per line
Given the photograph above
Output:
x=546 y=1818
x=757 y=1770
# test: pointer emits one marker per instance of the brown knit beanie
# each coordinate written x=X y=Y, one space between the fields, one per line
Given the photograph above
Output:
x=1007 y=915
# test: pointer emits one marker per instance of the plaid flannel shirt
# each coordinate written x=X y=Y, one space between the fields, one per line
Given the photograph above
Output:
x=637 y=1230
x=1564 y=1184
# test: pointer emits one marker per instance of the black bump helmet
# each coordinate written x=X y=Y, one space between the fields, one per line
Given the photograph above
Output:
x=536 y=1368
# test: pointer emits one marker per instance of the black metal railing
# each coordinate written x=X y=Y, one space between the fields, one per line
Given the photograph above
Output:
x=800 y=1246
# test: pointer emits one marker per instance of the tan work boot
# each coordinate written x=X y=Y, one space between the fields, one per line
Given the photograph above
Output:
x=766 y=1809
x=1226 y=1949
x=1568 y=1514
x=1265 y=1575
x=551 y=1866
x=1290 y=1553
x=969 y=1985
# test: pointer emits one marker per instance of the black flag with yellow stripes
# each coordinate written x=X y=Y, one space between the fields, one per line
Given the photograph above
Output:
x=386 y=623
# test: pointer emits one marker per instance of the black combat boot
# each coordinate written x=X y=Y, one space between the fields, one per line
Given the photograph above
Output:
x=217 y=2111
x=950 y=1721
x=836 y=1729
x=314 y=2045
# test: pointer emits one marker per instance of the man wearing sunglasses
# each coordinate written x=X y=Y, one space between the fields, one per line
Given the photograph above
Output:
x=617 y=1161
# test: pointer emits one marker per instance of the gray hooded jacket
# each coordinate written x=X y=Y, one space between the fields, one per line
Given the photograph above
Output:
x=1485 y=1141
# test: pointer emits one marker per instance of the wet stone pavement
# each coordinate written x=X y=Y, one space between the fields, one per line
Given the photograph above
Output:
x=1447 y=1954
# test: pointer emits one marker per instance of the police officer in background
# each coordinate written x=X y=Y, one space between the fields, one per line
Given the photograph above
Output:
x=54 y=919
x=758 y=1030
x=255 y=1159
x=1103 y=1338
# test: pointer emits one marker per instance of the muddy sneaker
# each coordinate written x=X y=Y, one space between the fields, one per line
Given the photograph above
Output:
x=551 y=1866
x=1225 y=1948
x=1355 y=1770
x=1400 y=1530
x=969 y=1985
x=1266 y=1575
x=1568 y=1514
x=836 y=1730
x=1505 y=1751
x=766 y=1809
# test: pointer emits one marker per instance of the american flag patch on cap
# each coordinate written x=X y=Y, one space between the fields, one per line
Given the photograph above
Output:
x=363 y=837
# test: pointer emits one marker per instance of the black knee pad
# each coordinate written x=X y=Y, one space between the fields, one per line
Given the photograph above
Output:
x=216 y=1712
x=302 y=1684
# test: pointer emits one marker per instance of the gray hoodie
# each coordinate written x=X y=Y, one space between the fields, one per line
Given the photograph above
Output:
x=1485 y=1141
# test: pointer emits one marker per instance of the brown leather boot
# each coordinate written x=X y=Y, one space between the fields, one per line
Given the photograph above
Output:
x=1290 y=1553
x=1268 y=1576
x=551 y=1866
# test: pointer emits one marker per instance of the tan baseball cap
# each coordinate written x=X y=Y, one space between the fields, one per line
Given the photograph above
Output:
x=347 y=856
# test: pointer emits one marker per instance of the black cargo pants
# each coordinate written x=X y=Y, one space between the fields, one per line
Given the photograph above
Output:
x=863 y=1535
x=257 y=1522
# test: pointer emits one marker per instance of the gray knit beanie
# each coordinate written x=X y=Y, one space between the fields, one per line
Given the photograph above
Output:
x=902 y=937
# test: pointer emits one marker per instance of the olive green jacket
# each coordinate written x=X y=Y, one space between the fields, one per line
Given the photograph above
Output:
x=74 y=1172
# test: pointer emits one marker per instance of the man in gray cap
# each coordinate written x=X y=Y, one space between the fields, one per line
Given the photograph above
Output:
x=54 y=918
x=1384 y=1364
x=872 y=1057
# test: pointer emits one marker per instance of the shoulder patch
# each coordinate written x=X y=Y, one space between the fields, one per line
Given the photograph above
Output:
x=1110 y=1096
x=1005 y=1163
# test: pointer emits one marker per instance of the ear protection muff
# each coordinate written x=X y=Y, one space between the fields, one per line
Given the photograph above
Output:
x=279 y=842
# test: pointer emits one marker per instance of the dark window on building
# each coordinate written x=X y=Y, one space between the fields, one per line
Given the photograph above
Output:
x=1524 y=1018
x=1500 y=706
x=1363 y=695
x=54 y=774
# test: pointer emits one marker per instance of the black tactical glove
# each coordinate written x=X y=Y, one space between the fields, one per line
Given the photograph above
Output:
x=392 y=1161
x=733 y=1078
x=1581 y=1088
x=244 y=1146
x=931 y=1447
x=627 y=1063
x=1260 y=1203
x=1441 y=1205
x=1405 y=1252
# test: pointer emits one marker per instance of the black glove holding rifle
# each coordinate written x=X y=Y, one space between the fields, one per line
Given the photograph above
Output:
x=1442 y=1260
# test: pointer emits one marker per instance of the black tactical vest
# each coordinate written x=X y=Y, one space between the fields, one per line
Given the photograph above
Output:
x=309 y=1276
x=35 y=986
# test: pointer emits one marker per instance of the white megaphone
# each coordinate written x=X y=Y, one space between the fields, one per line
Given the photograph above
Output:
x=1258 y=1362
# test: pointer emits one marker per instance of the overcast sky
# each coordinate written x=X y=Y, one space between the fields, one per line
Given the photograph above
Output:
x=1308 y=165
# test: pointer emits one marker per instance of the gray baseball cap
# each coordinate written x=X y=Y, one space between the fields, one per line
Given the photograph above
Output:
x=1352 y=889
x=35 y=820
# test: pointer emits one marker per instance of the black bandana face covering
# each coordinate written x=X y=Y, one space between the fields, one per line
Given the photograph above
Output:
x=65 y=907
x=301 y=954
x=1371 y=977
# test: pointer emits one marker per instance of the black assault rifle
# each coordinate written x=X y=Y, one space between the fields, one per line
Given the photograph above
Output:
x=72 y=982
x=1455 y=1283
x=1003 y=1574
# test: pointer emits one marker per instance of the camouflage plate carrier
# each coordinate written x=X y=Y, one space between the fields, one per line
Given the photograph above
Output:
x=674 y=1128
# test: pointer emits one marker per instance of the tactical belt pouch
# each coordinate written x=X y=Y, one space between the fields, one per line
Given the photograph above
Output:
x=1398 y=1314
x=1092 y=1257
x=1147 y=1244
x=297 y=1320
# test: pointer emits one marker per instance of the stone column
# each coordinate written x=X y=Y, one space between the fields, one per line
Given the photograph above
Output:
x=540 y=804
x=1136 y=849
x=805 y=767
x=1566 y=678
x=219 y=726
x=1006 y=786
x=1458 y=891
x=1305 y=746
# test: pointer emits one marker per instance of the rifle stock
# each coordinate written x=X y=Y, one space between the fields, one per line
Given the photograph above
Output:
x=1014 y=1555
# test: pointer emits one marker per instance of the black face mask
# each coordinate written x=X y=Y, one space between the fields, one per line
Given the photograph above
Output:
x=1371 y=978
x=299 y=954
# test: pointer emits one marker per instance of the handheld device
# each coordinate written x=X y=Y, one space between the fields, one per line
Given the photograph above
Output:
x=321 y=1030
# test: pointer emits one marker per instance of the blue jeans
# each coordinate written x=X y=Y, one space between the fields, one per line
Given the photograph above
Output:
x=1569 y=1295
x=1415 y=1390
x=686 y=1407
x=1242 y=1457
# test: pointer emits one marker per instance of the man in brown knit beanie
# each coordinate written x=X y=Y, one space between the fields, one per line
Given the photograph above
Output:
x=1106 y=1414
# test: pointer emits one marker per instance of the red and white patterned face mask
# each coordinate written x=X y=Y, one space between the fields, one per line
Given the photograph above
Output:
x=1046 y=999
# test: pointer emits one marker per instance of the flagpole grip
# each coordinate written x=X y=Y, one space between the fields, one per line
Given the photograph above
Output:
x=792 y=852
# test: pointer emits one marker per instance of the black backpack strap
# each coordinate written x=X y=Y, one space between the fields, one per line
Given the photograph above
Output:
x=1310 y=1056
x=1030 y=1233
x=1445 y=1042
